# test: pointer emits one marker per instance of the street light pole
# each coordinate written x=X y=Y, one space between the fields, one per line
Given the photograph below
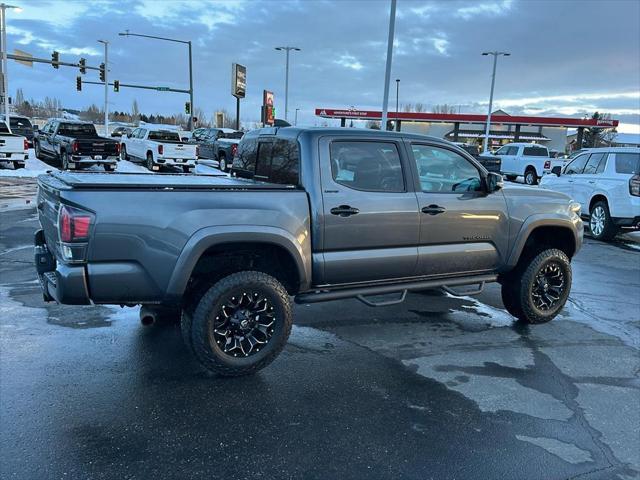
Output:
x=493 y=82
x=387 y=74
x=127 y=33
x=286 y=80
x=397 y=104
x=3 y=47
x=106 y=86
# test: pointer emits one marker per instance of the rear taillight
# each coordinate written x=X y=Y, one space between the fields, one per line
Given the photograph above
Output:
x=75 y=146
x=634 y=185
x=234 y=149
x=26 y=144
x=117 y=149
x=160 y=149
x=74 y=224
x=547 y=165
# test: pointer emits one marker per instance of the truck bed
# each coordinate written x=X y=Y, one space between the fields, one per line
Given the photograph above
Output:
x=159 y=181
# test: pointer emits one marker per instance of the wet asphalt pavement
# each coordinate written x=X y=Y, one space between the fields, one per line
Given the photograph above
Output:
x=435 y=388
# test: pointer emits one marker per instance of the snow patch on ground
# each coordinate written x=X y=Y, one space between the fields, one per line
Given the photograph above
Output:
x=496 y=317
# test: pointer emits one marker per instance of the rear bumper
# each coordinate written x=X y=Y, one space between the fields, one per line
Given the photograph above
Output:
x=14 y=157
x=176 y=162
x=82 y=160
x=60 y=283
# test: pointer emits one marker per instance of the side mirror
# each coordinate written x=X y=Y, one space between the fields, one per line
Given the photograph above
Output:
x=494 y=182
x=557 y=170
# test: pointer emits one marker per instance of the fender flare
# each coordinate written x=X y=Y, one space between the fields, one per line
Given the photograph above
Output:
x=532 y=222
x=208 y=237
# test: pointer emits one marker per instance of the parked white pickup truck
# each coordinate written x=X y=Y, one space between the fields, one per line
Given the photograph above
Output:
x=158 y=146
x=528 y=160
x=13 y=148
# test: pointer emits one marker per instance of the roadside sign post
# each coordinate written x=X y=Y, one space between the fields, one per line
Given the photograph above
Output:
x=238 y=87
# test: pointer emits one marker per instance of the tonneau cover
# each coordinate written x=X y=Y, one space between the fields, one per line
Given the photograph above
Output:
x=158 y=181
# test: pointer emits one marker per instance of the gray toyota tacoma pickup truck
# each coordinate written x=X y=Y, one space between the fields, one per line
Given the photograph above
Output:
x=309 y=215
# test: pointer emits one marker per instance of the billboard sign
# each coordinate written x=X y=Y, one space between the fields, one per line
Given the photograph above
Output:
x=238 y=80
x=268 y=109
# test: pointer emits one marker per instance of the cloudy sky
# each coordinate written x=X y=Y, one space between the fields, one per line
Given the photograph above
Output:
x=568 y=57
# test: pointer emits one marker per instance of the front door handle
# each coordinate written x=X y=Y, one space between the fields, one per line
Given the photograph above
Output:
x=433 y=209
x=344 y=211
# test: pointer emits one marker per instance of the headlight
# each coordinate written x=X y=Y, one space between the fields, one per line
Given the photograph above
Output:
x=575 y=207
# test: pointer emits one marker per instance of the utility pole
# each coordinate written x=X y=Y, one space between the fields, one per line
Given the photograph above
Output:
x=4 y=74
x=106 y=86
x=397 y=104
x=493 y=82
x=127 y=33
x=387 y=74
x=295 y=122
x=286 y=80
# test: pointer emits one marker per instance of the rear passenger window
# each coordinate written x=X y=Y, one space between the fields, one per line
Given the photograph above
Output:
x=535 y=152
x=369 y=166
x=593 y=163
x=628 y=163
x=276 y=161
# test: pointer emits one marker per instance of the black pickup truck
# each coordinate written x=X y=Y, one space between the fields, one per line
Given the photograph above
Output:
x=74 y=145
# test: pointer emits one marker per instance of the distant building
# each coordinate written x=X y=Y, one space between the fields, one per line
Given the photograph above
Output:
x=470 y=128
x=626 y=140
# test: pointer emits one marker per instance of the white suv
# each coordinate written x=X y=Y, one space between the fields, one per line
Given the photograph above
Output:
x=606 y=182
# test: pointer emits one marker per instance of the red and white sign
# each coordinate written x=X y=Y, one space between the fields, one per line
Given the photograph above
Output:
x=466 y=118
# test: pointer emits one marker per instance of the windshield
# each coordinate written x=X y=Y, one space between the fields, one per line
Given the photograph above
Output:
x=164 y=135
x=77 y=130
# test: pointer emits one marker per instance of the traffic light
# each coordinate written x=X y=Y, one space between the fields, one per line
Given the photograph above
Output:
x=55 y=58
x=102 y=72
x=79 y=83
x=116 y=85
x=83 y=65
x=187 y=108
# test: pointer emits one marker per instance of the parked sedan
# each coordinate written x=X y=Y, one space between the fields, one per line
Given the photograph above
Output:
x=120 y=131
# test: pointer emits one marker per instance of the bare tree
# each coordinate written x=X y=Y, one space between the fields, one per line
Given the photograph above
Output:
x=444 y=108
x=407 y=107
x=420 y=107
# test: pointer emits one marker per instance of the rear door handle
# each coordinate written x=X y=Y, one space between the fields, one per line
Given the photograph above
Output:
x=433 y=209
x=344 y=211
x=592 y=181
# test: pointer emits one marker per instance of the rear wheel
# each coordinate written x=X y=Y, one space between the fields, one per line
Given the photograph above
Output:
x=187 y=169
x=150 y=161
x=537 y=291
x=530 y=176
x=123 y=153
x=109 y=168
x=600 y=223
x=17 y=165
x=223 y=163
x=511 y=178
x=37 y=151
x=240 y=324
x=64 y=160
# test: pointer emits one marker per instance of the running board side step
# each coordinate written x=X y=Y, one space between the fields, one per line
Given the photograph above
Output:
x=361 y=292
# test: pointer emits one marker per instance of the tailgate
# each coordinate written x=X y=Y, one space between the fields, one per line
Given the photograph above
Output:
x=179 y=150
x=48 y=205
x=11 y=144
x=96 y=147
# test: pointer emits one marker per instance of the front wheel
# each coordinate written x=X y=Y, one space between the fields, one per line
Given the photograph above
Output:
x=537 y=291
x=64 y=161
x=531 y=177
x=37 y=151
x=17 y=165
x=600 y=223
x=240 y=324
x=123 y=153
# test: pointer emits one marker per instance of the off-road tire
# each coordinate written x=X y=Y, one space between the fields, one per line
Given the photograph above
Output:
x=205 y=348
x=517 y=287
x=610 y=229
x=530 y=176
